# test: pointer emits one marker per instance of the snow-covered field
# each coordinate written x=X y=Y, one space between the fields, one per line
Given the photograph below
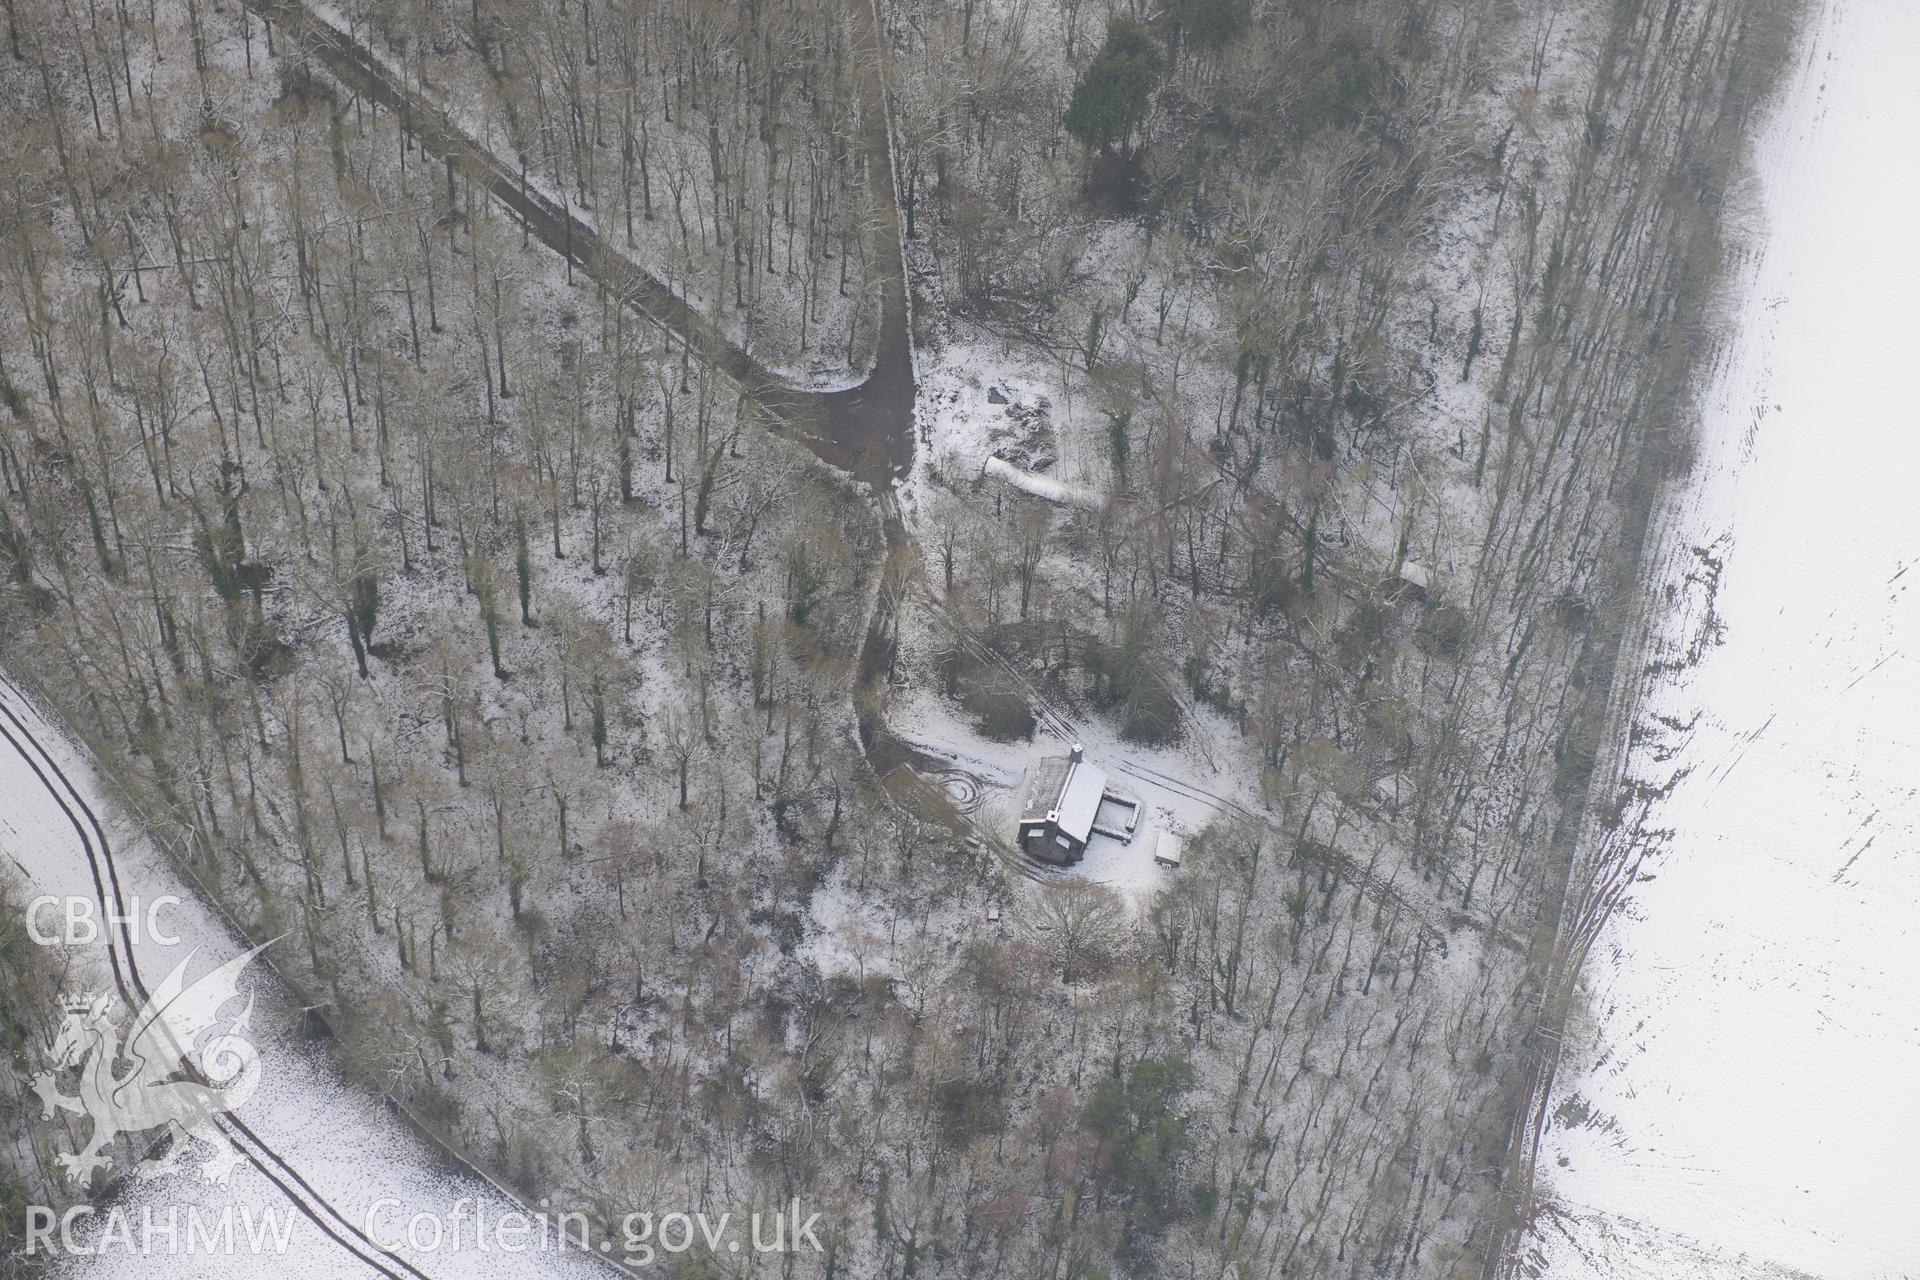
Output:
x=349 y=1151
x=1738 y=1094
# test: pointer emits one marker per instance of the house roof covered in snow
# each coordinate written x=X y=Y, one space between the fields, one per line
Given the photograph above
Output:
x=1065 y=793
x=1045 y=782
x=1080 y=799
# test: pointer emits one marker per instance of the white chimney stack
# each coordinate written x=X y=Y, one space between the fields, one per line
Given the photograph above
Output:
x=1077 y=754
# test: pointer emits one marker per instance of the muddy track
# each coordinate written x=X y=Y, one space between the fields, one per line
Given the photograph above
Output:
x=866 y=431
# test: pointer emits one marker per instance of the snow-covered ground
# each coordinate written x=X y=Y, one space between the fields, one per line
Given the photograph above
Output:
x=340 y=1141
x=1181 y=788
x=1737 y=1097
x=983 y=399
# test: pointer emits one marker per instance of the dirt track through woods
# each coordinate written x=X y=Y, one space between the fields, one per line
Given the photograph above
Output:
x=866 y=431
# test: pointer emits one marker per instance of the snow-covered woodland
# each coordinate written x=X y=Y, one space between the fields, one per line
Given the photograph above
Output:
x=425 y=436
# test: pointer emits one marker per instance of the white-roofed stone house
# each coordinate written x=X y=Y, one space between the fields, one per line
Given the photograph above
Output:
x=1061 y=809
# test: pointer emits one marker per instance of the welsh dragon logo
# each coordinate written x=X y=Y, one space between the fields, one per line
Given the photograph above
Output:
x=171 y=1078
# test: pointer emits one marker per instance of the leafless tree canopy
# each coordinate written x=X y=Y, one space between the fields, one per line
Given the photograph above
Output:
x=443 y=590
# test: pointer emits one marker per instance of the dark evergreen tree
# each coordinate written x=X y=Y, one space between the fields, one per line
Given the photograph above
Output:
x=1110 y=101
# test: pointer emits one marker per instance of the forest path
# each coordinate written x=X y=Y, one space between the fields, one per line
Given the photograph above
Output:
x=866 y=430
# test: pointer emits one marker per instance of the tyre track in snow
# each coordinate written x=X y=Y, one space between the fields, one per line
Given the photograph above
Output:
x=865 y=430
x=133 y=990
